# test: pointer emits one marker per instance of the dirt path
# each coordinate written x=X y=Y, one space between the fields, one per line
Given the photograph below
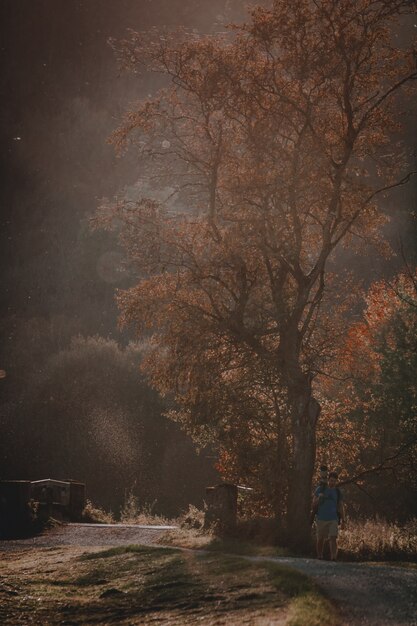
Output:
x=367 y=595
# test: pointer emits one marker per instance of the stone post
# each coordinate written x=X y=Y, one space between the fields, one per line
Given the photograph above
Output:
x=221 y=513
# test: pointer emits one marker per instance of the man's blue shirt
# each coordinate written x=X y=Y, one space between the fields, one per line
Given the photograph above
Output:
x=327 y=510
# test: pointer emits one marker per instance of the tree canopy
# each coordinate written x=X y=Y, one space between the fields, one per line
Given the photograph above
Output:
x=271 y=144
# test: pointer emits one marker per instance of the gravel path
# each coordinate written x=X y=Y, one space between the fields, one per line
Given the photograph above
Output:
x=89 y=535
x=368 y=595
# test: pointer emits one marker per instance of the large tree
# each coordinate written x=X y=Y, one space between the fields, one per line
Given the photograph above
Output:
x=271 y=143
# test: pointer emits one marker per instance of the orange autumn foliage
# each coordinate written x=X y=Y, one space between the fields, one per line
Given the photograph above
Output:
x=372 y=418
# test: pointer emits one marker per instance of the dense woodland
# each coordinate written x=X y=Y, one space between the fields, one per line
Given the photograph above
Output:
x=86 y=399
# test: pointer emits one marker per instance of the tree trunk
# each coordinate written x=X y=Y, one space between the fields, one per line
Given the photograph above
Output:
x=305 y=412
x=280 y=472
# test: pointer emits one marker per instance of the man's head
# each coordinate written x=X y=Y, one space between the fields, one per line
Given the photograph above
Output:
x=323 y=473
x=333 y=476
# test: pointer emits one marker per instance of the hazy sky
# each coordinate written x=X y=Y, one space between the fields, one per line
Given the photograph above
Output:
x=61 y=97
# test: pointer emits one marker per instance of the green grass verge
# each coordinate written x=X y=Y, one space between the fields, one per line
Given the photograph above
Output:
x=141 y=584
x=308 y=605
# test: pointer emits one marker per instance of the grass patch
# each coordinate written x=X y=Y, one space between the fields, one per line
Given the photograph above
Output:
x=224 y=564
x=291 y=582
x=244 y=548
x=141 y=584
x=308 y=607
x=94 y=577
x=203 y=540
x=118 y=550
x=312 y=609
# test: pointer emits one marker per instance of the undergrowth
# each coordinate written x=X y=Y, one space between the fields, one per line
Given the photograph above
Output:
x=379 y=540
x=361 y=540
x=132 y=512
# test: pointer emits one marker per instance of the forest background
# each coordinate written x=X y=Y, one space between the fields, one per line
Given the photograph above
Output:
x=72 y=399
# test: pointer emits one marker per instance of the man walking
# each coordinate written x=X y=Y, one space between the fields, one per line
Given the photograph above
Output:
x=328 y=504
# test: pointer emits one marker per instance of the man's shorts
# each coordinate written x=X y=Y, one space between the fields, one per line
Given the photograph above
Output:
x=327 y=529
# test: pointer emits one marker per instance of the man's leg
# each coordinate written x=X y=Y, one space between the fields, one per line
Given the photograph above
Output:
x=320 y=547
x=321 y=528
x=333 y=548
x=333 y=541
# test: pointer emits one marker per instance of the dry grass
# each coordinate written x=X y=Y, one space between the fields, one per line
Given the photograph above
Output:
x=378 y=540
x=362 y=540
x=130 y=513
x=189 y=538
x=134 y=513
x=93 y=514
